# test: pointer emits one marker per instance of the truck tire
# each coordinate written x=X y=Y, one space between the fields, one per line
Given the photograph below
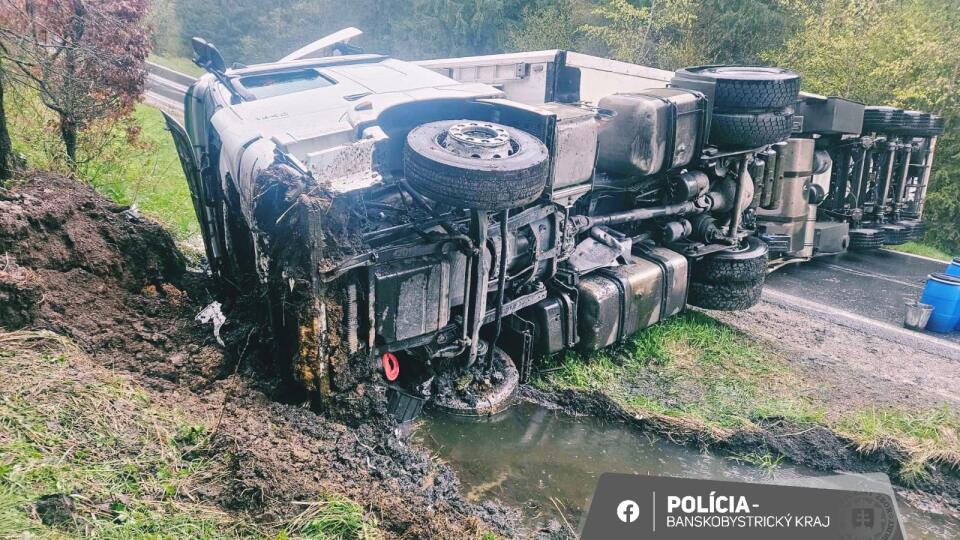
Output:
x=866 y=239
x=747 y=87
x=747 y=263
x=750 y=130
x=882 y=119
x=896 y=234
x=492 y=167
x=733 y=296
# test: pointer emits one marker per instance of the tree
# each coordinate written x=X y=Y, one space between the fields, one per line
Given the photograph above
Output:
x=6 y=147
x=550 y=25
x=671 y=34
x=85 y=58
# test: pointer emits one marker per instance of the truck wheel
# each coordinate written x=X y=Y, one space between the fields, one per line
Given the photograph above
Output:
x=733 y=296
x=894 y=235
x=866 y=239
x=746 y=263
x=881 y=119
x=750 y=130
x=475 y=164
x=747 y=87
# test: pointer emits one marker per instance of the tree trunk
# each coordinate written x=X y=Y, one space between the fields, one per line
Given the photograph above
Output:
x=68 y=132
x=6 y=147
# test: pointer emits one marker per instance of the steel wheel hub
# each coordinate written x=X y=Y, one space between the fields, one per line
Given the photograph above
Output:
x=477 y=140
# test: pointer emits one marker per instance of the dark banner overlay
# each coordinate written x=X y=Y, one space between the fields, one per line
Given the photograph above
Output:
x=650 y=507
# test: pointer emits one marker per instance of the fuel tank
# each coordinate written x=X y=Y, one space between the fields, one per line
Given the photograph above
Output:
x=616 y=302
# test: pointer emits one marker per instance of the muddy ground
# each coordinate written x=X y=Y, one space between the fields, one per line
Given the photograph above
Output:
x=74 y=263
x=77 y=264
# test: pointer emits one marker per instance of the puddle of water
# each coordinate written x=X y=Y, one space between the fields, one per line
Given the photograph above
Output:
x=537 y=459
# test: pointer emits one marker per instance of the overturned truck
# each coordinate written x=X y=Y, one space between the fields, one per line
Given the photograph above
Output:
x=425 y=231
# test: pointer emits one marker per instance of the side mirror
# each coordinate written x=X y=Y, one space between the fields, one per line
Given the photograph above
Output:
x=207 y=56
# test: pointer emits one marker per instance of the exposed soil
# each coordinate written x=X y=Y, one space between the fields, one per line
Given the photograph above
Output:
x=81 y=266
x=853 y=368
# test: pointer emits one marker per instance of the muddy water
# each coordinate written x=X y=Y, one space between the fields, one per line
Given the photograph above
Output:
x=547 y=463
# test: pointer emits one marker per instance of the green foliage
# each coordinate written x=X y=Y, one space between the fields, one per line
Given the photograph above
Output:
x=549 y=25
x=902 y=53
x=250 y=31
x=131 y=159
x=670 y=34
x=332 y=518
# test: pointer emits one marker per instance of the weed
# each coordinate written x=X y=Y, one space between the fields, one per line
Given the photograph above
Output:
x=332 y=518
x=765 y=461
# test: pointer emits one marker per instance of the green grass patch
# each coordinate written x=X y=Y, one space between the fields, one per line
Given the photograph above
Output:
x=924 y=250
x=691 y=368
x=334 y=518
x=765 y=461
x=85 y=453
x=925 y=437
x=177 y=63
x=695 y=374
x=132 y=160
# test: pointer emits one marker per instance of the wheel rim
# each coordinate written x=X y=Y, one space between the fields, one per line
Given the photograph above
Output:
x=478 y=140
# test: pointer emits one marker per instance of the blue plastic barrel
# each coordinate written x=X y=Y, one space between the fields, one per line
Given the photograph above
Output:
x=943 y=293
x=954 y=268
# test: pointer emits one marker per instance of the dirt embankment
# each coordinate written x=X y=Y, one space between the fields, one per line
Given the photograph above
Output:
x=81 y=266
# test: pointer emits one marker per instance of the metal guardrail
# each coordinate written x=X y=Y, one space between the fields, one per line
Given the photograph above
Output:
x=166 y=88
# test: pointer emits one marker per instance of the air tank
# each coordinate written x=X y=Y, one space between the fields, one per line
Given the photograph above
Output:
x=789 y=217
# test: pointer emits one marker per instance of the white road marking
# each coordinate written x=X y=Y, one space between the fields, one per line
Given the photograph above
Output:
x=863 y=273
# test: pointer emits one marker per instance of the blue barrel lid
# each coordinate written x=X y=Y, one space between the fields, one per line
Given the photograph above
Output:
x=945 y=278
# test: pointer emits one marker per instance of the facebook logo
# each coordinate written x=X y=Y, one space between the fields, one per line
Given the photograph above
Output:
x=628 y=511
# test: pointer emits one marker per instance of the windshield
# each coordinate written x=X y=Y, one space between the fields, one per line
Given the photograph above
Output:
x=286 y=82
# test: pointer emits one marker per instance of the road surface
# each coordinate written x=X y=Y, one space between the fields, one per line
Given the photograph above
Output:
x=853 y=287
x=871 y=285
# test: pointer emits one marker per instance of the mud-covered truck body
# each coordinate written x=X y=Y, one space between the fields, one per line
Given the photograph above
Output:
x=413 y=232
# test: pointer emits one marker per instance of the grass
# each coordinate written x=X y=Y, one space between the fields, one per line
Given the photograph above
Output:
x=335 y=517
x=119 y=463
x=691 y=369
x=924 y=250
x=133 y=161
x=177 y=63
x=765 y=461
x=694 y=375
x=925 y=437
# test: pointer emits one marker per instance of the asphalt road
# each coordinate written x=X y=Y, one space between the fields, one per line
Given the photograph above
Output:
x=873 y=285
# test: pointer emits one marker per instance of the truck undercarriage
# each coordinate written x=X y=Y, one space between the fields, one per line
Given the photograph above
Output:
x=439 y=233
